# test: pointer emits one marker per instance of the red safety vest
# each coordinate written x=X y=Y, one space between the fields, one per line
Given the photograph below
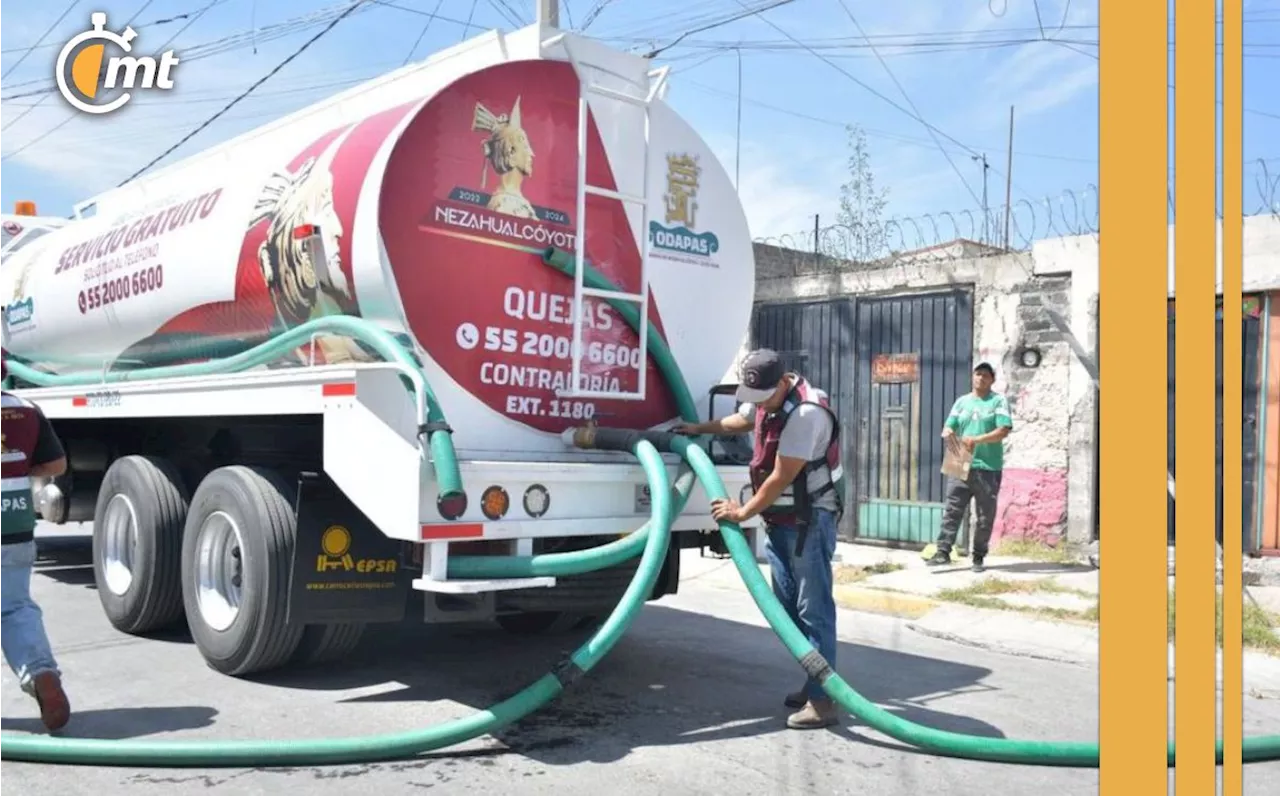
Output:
x=787 y=509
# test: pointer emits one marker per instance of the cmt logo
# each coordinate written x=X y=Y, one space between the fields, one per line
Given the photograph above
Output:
x=82 y=76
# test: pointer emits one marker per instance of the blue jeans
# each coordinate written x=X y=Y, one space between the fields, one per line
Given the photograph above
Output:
x=26 y=646
x=804 y=585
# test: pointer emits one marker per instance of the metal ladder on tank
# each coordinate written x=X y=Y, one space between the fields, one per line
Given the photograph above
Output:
x=657 y=81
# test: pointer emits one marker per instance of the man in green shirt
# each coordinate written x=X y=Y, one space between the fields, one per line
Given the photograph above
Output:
x=980 y=421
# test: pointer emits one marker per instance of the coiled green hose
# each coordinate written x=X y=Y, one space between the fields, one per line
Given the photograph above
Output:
x=654 y=539
x=331 y=751
x=950 y=744
x=444 y=458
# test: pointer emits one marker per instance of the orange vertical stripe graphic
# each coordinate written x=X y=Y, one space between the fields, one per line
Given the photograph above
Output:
x=1133 y=314
x=1195 y=254
x=1232 y=395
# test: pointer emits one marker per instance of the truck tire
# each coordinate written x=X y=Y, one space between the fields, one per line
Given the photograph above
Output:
x=237 y=552
x=327 y=643
x=137 y=544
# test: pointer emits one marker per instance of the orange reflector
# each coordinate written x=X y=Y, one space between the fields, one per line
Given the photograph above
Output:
x=338 y=388
x=495 y=502
x=451 y=531
x=79 y=400
x=24 y=207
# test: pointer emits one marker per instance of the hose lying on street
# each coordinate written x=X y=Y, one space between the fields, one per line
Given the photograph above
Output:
x=652 y=543
x=371 y=748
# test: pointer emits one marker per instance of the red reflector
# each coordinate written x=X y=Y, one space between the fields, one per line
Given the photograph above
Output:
x=467 y=531
x=304 y=231
x=339 y=388
x=79 y=400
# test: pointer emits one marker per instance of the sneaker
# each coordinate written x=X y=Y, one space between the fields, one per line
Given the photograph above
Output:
x=939 y=559
x=978 y=566
x=55 y=708
x=815 y=715
x=797 y=699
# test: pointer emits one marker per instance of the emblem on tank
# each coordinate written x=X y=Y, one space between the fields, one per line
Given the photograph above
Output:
x=680 y=241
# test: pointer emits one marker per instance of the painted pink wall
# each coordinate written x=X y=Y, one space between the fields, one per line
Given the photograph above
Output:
x=1033 y=505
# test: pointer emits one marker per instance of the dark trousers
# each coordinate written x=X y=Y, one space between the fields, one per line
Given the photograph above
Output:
x=983 y=488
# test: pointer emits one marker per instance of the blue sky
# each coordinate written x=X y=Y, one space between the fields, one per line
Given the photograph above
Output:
x=961 y=64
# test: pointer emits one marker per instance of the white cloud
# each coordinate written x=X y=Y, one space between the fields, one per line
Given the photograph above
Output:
x=89 y=154
x=783 y=184
x=1043 y=75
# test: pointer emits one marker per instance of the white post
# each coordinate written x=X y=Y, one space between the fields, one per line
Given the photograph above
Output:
x=549 y=13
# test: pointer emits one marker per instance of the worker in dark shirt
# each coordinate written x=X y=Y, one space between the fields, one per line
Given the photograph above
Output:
x=31 y=449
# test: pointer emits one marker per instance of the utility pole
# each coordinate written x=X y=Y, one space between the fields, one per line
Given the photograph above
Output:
x=1008 y=183
x=986 y=214
x=549 y=13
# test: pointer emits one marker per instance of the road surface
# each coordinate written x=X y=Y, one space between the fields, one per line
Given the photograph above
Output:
x=690 y=702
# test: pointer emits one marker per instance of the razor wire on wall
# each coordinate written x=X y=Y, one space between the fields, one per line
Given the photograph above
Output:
x=964 y=233
x=974 y=233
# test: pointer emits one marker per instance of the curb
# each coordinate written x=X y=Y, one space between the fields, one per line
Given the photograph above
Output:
x=878 y=601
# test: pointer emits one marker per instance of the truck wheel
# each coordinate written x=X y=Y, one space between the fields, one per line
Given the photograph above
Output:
x=137 y=544
x=237 y=551
x=327 y=643
x=532 y=623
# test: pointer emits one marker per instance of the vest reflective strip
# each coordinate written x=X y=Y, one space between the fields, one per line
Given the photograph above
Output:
x=13 y=484
x=787 y=498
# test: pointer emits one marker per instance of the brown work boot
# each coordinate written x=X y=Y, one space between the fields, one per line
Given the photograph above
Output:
x=55 y=708
x=816 y=714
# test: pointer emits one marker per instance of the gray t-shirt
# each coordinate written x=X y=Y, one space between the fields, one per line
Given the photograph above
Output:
x=805 y=437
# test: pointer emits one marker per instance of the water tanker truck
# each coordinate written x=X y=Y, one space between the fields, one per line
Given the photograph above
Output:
x=314 y=372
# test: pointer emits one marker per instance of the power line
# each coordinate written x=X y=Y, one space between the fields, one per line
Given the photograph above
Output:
x=47 y=31
x=474 y=3
x=20 y=116
x=505 y=11
x=423 y=33
x=907 y=97
x=868 y=88
x=68 y=119
x=203 y=125
x=746 y=12
x=870 y=131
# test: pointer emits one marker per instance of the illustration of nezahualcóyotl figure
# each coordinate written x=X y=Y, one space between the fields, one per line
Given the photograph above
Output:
x=508 y=151
x=302 y=290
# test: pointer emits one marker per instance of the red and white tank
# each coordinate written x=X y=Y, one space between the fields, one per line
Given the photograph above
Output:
x=435 y=189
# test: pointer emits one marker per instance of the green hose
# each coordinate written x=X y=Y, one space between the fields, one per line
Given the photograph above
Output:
x=950 y=744
x=668 y=503
x=616 y=552
x=331 y=751
x=443 y=457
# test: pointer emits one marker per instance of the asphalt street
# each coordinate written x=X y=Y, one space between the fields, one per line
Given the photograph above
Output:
x=690 y=702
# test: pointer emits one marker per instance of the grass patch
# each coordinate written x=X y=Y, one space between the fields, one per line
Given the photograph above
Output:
x=1038 y=551
x=1258 y=628
x=985 y=593
x=850 y=573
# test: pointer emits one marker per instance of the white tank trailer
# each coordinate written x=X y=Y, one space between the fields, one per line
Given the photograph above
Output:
x=422 y=202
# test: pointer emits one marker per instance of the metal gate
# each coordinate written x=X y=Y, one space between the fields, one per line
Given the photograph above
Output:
x=1251 y=330
x=914 y=358
x=816 y=339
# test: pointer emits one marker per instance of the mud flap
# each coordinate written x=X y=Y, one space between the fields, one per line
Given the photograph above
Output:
x=344 y=569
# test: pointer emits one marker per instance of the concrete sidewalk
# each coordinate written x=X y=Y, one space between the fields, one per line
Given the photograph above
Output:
x=1028 y=608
